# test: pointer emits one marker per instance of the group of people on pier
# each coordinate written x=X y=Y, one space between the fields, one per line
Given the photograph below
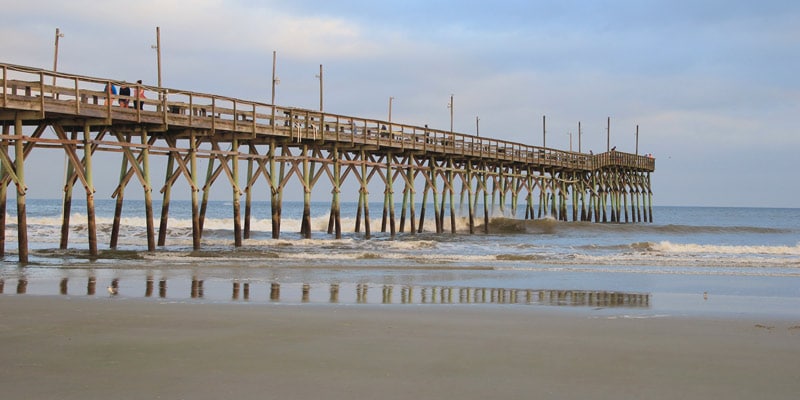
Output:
x=125 y=95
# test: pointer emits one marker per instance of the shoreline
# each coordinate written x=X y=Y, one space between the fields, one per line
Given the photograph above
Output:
x=67 y=347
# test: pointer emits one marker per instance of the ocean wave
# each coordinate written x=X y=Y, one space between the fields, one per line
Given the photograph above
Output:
x=692 y=248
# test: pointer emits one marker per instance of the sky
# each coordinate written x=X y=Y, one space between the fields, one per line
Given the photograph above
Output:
x=712 y=85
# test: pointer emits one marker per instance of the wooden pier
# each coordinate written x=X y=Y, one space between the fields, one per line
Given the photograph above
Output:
x=277 y=144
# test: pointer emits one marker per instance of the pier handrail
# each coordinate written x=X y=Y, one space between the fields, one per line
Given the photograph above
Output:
x=44 y=91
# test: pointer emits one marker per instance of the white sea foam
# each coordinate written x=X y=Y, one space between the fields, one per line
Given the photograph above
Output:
x=692 y=248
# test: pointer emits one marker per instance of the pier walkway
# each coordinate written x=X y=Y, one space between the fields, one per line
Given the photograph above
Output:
x=278 y=144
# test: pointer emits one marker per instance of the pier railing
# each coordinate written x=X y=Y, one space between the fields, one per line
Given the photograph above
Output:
x=45 y=92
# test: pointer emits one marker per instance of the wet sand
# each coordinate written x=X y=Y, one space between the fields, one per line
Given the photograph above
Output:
x=78 y=348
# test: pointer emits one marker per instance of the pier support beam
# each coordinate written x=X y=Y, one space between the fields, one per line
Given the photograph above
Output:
x=196 y=225
x=165 y=202
x=89 y=173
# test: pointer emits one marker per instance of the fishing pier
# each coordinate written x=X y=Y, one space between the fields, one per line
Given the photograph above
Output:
x=276 y=145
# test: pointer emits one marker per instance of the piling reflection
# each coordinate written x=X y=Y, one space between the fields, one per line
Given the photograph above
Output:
x=22 y=286
x=148 y=290
x=334 y=293
x=197 y=288
x=275 y=291
x=361 y=293
x=91 y=286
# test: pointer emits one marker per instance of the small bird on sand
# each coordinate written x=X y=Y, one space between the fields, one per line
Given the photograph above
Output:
x=113 y=289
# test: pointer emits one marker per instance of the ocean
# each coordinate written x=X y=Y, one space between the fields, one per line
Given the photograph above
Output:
x=689 y=261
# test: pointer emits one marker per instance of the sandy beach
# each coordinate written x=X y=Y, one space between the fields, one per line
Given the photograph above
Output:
x=78 y=348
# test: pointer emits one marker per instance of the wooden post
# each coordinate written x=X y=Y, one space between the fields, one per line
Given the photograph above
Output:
x=305 y=229
x=624 y=196
x=649 y=198
x=451 y=178
x=162 y=226
x=196 y=225
x=365 y=194
x=404 y=207
x=514 y=191
x=3 y=191
x=148 y=193
x=336 y=211
x=485 y=203
x=206 y=189
x=437 y=211
x=237 y=194
x=275 y=190
x=248 y=190
x=390 y=193
x=470 y=205
x=422 y=211
x=66 y=208
x=119 y=201
x=385 y=214
x=502 y=193
x=90 y=212
x=412 y=208
x=22 y=219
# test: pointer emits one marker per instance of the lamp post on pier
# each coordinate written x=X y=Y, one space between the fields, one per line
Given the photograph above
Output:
x=477 y=126
x=579 y=136
x=390 y=108
x=450 y=106
x=157 y=48
x=320 y=87
x=637 y=140
x=275 y=79
x=55 y=56
x=544 y=131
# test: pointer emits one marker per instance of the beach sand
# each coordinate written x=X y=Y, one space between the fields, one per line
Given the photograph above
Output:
x=114 y=348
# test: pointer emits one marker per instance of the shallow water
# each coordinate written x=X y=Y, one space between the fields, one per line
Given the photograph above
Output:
x=689 y=261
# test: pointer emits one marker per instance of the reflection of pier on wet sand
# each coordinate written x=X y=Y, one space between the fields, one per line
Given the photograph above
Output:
x=358 y=293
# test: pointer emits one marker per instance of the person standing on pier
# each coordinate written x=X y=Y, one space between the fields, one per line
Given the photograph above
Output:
x=139 y=96
x=125 y=94
x=111 y=91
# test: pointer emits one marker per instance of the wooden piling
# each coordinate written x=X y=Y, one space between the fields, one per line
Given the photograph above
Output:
x=412 y=207
x=437 y=211
x=470 y=205
x=451 y=190
x=390 y=193
x=364 y=192
x=206 y=190
x=248 y=192
x=90 y=211
x=305 y=228
x=165 y=202
x=3 y=194
x=237 y=193
x=120 y=194
x=275 y=190
x=196 y=224
x=22 y=219
x=66 y=204
x=336 y=207
x=148 y=193
x=424 y=204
